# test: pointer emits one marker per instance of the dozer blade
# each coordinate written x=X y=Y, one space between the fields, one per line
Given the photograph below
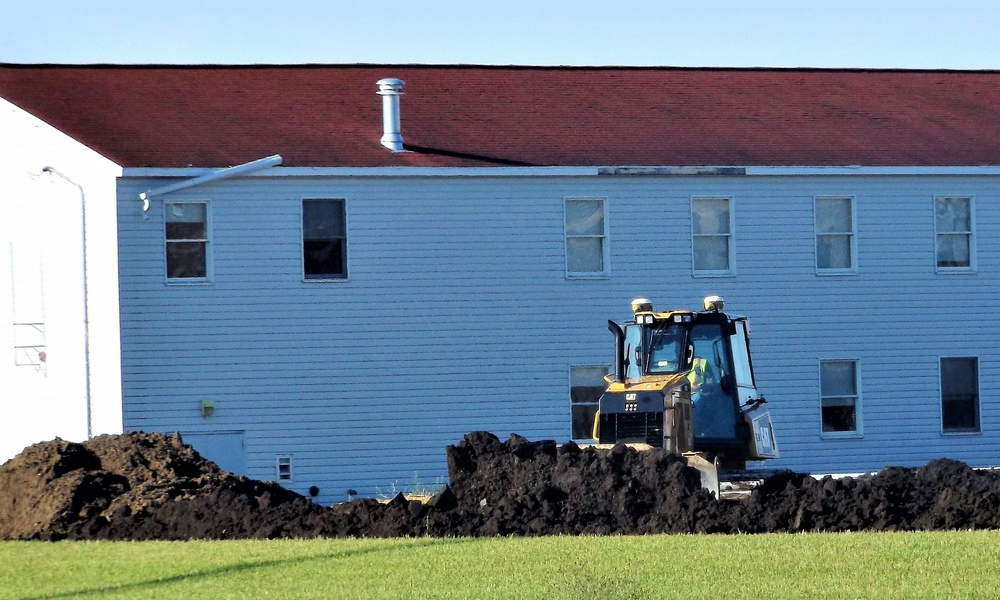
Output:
x=709 y=472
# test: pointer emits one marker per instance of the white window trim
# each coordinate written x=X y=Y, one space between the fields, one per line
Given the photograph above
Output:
x=853 y=269
x=209 y=245
x=605 y=246
x=277 y=468
x=731 y=271
x=569 y=375
x=859 y=431
x=302 y=241
x=972 y=236
x=979 y=397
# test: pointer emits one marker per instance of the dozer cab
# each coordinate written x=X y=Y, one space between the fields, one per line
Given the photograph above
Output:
x=683 y=381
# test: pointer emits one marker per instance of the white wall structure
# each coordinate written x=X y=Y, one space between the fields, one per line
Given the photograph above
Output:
x=42 y=286
x=458 y=314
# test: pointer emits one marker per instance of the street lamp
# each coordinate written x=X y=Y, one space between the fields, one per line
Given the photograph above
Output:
x=86 y=306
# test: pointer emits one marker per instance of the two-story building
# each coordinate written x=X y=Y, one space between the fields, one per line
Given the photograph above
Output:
x=327 y=274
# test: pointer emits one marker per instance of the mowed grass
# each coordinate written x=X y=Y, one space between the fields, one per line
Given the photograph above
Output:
x=896 y=565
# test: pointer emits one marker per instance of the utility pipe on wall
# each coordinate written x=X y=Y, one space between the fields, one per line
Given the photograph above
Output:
x=86 y=305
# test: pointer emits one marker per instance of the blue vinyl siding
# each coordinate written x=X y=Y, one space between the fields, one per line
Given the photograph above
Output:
x=457 y=315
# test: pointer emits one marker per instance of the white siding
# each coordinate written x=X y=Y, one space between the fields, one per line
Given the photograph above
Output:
x=458 y=315
x=41 y=277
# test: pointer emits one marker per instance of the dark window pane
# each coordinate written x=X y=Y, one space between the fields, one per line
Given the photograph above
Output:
x=322 y=219
x=958 y=413
x=186 y=260
x=959 y=376
x=583 y=420
x=586 y=393
x=323 y=258
x=185 y=231
x=839 y=417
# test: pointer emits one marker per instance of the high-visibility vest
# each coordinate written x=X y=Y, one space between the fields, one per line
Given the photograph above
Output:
x=697 y=374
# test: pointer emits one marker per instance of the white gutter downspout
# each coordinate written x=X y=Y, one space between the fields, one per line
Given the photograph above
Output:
x=86 y=303
x=255 y=165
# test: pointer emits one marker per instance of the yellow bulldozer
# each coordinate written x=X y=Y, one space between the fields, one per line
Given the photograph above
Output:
x=683 y=381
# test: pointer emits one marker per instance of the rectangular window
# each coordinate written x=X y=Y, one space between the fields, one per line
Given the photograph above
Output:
x=586 y=384
x=953 y=236
x=839 y=398
x=187 y=247
x=586 y=233
x=284 y=467
x=960 y=395
x=835 y=234
x=711 y=234
x=324 y=239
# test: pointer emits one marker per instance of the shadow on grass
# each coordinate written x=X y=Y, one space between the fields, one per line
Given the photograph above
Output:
x=242 y=567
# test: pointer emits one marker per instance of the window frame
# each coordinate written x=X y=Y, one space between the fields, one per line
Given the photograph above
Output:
x=302 y=242
x=573 y=404
x=209 y=271
x=279 y=461
x=978 y=430
x=858 y=431
x=730 y=236
x=852 y=235
x=971 y=233
x=604 y=238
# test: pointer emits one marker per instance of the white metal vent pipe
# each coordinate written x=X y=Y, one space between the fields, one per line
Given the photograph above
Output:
x=391 y=90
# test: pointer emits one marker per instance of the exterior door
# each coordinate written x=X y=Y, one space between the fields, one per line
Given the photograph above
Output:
x=224 y=448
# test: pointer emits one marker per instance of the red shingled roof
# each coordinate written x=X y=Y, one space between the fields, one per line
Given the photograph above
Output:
x=315 y=115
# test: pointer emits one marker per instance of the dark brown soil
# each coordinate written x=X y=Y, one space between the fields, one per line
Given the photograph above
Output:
x=140 y=486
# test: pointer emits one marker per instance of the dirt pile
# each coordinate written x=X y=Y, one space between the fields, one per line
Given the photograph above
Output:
x=139 y=486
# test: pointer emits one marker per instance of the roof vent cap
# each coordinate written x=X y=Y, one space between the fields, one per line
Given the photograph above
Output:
x=391 y=89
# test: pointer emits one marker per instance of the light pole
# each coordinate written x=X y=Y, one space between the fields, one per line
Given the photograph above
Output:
x=86 y=305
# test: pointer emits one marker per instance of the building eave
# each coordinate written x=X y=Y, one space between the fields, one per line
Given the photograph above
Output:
x=585 y=171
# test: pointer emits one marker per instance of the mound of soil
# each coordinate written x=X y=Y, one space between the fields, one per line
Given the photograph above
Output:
x=138 y=486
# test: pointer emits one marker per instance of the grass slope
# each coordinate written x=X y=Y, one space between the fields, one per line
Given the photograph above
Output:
x=898 y=565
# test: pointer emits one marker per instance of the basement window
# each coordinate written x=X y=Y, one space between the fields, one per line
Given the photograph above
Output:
x=840 y=400
x=324 y=239
x=960 y=395
x=586 y=385
x=284 y=467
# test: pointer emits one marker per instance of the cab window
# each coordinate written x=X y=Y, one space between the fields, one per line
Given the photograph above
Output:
x=666 y=350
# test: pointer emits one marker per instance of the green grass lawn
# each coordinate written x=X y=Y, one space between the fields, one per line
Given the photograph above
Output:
x=920 y=565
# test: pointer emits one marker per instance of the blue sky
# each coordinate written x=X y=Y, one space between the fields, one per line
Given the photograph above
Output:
x=956 y=34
